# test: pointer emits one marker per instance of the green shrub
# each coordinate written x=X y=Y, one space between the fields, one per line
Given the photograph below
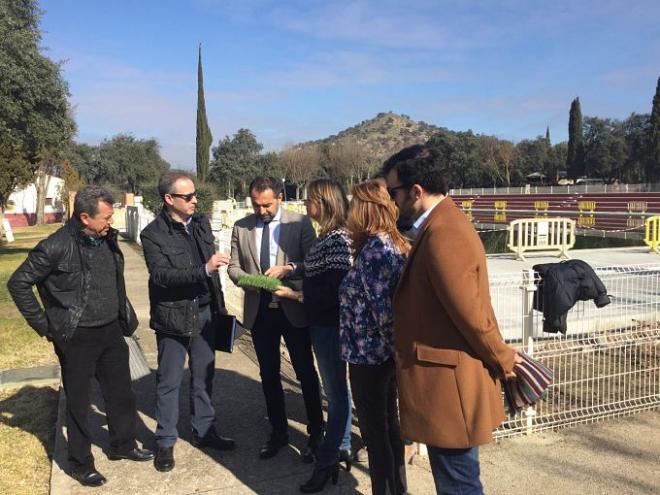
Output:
x=151 y=199
x=207 y=193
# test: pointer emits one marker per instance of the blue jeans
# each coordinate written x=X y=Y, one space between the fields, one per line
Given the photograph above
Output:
x=325 y=342
x=172 y=351
x=455 y=471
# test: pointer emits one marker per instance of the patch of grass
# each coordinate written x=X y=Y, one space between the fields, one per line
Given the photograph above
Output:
x=20 y=346
x=12 y=254
x=27 y=419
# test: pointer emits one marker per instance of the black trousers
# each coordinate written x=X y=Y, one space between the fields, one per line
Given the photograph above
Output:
x=99 y=352
x=270 y=326
x=375 y=398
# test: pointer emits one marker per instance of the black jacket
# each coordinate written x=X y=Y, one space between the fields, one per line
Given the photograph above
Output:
x=561 y=286
x=59 y=267
x=173 y=275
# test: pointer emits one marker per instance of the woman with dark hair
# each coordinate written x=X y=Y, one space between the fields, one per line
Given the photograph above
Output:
x=326 y=264
x=365 y=329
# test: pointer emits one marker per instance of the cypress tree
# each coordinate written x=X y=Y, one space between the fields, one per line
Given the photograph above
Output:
x=204 y=137
x=653 y=167
x=575 y=156
x=547 y=134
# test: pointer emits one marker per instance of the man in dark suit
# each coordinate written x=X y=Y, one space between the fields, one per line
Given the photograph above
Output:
x=274 y=242
x=79 y=272
x=186 y=300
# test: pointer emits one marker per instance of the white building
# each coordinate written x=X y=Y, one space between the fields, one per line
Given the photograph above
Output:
x=21 y=209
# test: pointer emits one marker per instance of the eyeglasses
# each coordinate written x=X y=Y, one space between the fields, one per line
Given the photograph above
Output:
x=392 y=190
x=186 y=197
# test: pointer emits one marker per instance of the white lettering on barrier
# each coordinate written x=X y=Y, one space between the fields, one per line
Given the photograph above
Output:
x=542 y=234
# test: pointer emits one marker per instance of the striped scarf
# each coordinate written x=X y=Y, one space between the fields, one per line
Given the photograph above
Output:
x=531 y=383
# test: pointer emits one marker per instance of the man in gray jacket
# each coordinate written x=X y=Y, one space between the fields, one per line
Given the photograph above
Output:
x=274 y=242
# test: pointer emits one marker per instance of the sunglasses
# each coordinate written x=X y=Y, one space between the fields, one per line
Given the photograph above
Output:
x=392 y=190
x=186 y=197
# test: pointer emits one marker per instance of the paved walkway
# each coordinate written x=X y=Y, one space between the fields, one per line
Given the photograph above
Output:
x=615 y=457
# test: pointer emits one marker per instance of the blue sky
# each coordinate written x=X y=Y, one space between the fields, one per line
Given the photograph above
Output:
x=292 y=71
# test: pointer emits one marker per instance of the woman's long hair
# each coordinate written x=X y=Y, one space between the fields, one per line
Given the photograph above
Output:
x=332 y=205
x=372 y=211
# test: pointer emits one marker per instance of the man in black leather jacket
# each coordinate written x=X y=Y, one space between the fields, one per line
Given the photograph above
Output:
x=79 y=273
x=186 y=299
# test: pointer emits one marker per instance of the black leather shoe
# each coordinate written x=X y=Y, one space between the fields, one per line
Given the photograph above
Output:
x=213 y=440
x=89 y=477
x=319 y=478
x=164 y=460
x=137 y=455
x=273 y=446
x=313 y=443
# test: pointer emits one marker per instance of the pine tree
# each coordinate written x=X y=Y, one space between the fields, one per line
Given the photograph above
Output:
x=575 y=157
x=653 y=166
x=204 y=137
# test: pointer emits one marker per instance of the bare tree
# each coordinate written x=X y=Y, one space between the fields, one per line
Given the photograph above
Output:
x=300 y=164
x=353 y=161
x=507 y=155
x=498 y=157
x=487 y=152
x=345 y=156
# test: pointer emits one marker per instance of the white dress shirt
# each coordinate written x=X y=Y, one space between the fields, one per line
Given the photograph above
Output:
x=274 y=232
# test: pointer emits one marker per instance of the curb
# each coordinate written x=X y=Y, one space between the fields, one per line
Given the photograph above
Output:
x=38 y=375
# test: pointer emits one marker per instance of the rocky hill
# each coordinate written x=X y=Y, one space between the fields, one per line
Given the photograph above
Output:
x=384 y=134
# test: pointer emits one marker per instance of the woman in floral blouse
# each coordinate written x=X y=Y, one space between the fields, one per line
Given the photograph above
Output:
x=365 y=329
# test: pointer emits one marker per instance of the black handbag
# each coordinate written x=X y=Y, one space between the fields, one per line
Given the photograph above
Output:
x=226 y=332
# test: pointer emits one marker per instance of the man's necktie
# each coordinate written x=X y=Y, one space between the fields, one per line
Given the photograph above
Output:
x=264 y=256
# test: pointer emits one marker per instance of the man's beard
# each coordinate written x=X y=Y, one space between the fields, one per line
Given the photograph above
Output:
x=404 y=224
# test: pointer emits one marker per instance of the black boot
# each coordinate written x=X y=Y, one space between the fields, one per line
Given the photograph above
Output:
x=309 y=454
x=347 y=457
x=320 y=477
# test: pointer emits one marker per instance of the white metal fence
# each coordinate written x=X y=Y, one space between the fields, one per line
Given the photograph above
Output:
x=569 y=189
x=607 y=364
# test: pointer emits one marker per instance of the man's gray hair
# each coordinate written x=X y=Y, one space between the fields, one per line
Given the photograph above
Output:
x=87 y=200
x=169 y=178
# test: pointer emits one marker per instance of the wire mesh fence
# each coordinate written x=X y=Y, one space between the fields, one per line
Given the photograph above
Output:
x=608 y=362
